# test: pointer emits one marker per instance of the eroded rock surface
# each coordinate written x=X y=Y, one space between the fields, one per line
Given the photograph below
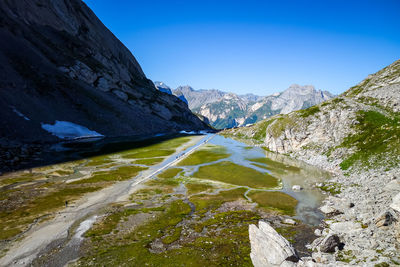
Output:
x=59 y=62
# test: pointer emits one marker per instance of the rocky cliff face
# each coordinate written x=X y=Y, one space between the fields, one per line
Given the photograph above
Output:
x=226 y=110
x=59 y=62
x=356 y=136
x=198 y=98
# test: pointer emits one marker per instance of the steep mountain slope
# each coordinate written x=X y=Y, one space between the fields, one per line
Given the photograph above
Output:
x=197 y=98
x=60 y=63
x=232 y=110
x=357 y=136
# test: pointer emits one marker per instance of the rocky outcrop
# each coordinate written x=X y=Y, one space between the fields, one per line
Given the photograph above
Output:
x=59 y=62
x=268 y=248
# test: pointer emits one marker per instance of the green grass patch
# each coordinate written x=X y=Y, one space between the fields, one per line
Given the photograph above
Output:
x=176 y=234
x=15 y=221
x=333 y=188
x=205 y=155
x=170 y=173
x=231 y=173
x=149 y=154
x=281 y=124
x=194 y=188
x=206 y=202
x=276 y=201
x=151 y=161
x=226 y=243
x=120 y=174
x=260 y=129
x=377 y=141
x=304 y=113
x=99 y=160
x=275 y=165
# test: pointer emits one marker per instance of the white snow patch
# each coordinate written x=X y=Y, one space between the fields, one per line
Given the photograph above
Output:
x=84 y=226
x=186 y=132
x=69 y=130
x=19 y=113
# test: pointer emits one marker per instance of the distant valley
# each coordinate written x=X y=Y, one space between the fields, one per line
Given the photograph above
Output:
x=225 y=110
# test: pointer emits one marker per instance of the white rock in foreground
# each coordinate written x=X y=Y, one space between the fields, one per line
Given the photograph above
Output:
x=268 y=248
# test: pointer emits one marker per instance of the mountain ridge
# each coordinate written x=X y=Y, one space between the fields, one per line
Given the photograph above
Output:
x=226 y=109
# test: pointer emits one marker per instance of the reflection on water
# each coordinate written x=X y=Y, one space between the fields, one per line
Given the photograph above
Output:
x=290 y=171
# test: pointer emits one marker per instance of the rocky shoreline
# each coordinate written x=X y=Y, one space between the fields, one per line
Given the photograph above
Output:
x=361 y=227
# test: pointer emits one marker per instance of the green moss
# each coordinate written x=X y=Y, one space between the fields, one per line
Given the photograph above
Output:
x=277 y=201
x=231 y=173
x=281 y=124
x=228 y=218
x=304 y=113
x=275 y=165
x=382 y=264
x=376 y=141
x=224 y=243
x=170 y=173
x=206 y=202
x=260 y=130
x=287 y=232
x=345 y=256
x=176 y=234
x=151 y=161
x=25 y=177
x=205 y=155
x=15 y=221
x=333 y=188
x=149 y=154
x=99 y=160
x=120 y=174
x=194 y=188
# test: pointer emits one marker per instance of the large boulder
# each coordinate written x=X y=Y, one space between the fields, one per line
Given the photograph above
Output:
x=268 y=248
x=330 y=243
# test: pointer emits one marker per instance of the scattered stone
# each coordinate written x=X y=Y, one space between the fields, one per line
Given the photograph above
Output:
x=296 y=188
x=385 y=219
x=317 y=232
x=289 y=221
x=345 y=227
x=329 y=244
x=351 y=205
x=396 y=203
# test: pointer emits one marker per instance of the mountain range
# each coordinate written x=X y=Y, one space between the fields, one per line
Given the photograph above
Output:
x=226 y=110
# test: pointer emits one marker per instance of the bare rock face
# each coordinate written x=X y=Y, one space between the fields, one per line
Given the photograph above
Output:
x=330 y=243
x=226 y=110
x=268 y=248
x=59 y=62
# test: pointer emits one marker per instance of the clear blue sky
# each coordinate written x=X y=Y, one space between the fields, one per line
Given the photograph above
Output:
x=256 y=46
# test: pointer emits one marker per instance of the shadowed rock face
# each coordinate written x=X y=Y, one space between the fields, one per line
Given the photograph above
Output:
x=59 y=62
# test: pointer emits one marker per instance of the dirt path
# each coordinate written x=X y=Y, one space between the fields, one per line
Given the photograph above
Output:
x=37 y=239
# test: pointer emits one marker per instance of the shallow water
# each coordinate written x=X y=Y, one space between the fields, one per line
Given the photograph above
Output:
x=309 y=199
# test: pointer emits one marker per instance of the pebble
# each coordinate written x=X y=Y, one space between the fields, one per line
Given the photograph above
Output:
x=296 y=188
